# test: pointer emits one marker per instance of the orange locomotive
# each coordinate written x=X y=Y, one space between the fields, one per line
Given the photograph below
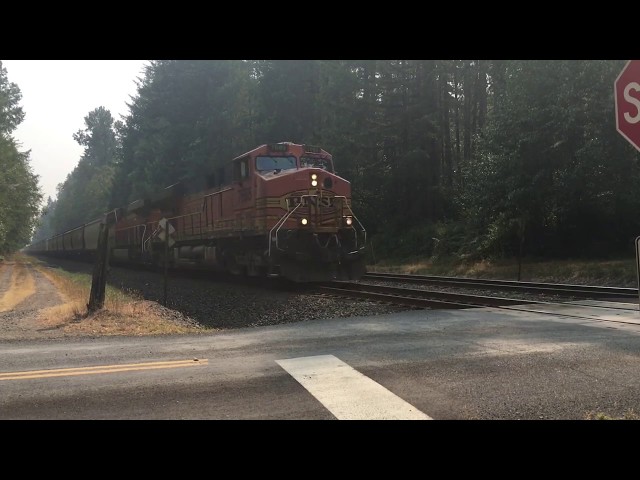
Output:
x=278 y=210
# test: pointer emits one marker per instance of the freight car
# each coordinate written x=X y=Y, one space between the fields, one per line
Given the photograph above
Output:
x=278 y=210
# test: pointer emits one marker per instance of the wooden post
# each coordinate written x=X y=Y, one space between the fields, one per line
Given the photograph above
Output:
x=637 y=242
x=166 y=261
x=99 y=280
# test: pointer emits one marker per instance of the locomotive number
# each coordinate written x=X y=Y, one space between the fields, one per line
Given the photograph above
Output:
x=306 y=201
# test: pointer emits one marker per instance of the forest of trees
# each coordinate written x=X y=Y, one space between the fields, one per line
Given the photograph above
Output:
x=19 y=190
x=462 y=158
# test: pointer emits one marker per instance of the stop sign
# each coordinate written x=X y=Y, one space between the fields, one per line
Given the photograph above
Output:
x=627 y=97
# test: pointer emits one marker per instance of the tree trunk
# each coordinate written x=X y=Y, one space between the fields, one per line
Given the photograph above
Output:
x=457 y=117
x=466 y=88
x=99 y=279
x=446 y=131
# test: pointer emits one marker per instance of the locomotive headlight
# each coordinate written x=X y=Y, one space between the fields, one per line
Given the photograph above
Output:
x=303 y=221
x=314 y=180
x=348 y=221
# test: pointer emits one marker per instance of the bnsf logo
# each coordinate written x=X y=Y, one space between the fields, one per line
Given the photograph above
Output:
x=306 y=201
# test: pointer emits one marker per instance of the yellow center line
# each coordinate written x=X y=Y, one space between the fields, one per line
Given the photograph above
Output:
x=62 y=372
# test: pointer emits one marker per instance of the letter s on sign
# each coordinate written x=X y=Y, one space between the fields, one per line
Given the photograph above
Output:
x=634 y=101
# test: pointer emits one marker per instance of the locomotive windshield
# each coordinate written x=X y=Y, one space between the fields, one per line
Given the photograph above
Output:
x=265 y=163
x=316 y=162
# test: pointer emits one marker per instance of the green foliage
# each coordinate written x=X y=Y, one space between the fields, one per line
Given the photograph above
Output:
x=438 y=242
x=86 y=192
x=19 y=197
x=288 y=93
x=467 y=159
x=11 y=113
x=19 y=191
x=44 y=225
x=551 y=166
x=188 y=118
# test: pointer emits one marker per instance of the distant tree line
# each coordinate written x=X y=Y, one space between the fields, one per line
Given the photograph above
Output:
x=463 y=158
x=19 y=191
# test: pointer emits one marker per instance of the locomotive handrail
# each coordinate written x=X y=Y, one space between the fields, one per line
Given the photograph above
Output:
x=280 y=222
x=218 y=192
x=151 y=236
x=143 y=232
x=192 y=214
x=130 y=227
x=286 y=216
x=142 y=241
x=364 y=231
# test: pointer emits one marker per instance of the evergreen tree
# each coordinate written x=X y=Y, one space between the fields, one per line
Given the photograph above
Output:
x=86 y=192
x=19 y=191
x=552 y=167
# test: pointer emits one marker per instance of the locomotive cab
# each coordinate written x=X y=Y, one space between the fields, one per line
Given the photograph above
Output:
x=313 y=233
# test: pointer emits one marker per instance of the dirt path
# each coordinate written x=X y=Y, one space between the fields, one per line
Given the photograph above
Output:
x=33 y=306
x=24 y=294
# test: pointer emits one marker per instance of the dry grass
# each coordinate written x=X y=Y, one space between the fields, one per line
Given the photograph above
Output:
x=124 y=313
x=140 y=317
x=620 y=273
x=22 y=286
x=628 y=415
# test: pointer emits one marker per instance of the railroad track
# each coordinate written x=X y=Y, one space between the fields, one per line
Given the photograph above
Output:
x=585 y=291
x=609 y=313
x=415 y=297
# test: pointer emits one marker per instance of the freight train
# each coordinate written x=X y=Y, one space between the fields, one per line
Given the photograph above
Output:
x=278 y=210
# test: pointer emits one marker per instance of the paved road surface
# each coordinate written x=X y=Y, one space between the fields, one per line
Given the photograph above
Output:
x=418 y=365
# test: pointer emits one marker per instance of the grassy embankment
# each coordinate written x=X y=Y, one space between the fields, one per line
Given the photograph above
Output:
x=618 y=273
x=124 y=313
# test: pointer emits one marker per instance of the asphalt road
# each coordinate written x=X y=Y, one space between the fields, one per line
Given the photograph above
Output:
x=418 y=365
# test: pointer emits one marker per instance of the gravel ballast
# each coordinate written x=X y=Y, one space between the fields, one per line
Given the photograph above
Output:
x=217 y=302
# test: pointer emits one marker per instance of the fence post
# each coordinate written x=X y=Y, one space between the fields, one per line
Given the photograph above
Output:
x=99 y=279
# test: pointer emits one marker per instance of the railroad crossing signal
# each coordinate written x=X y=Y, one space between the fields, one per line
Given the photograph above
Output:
x=166 y=230
x=627 y=100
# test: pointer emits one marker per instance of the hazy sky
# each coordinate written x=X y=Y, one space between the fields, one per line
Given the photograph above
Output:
x=56 y=96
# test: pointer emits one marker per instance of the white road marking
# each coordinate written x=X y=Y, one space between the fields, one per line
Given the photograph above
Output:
x=346 y=393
